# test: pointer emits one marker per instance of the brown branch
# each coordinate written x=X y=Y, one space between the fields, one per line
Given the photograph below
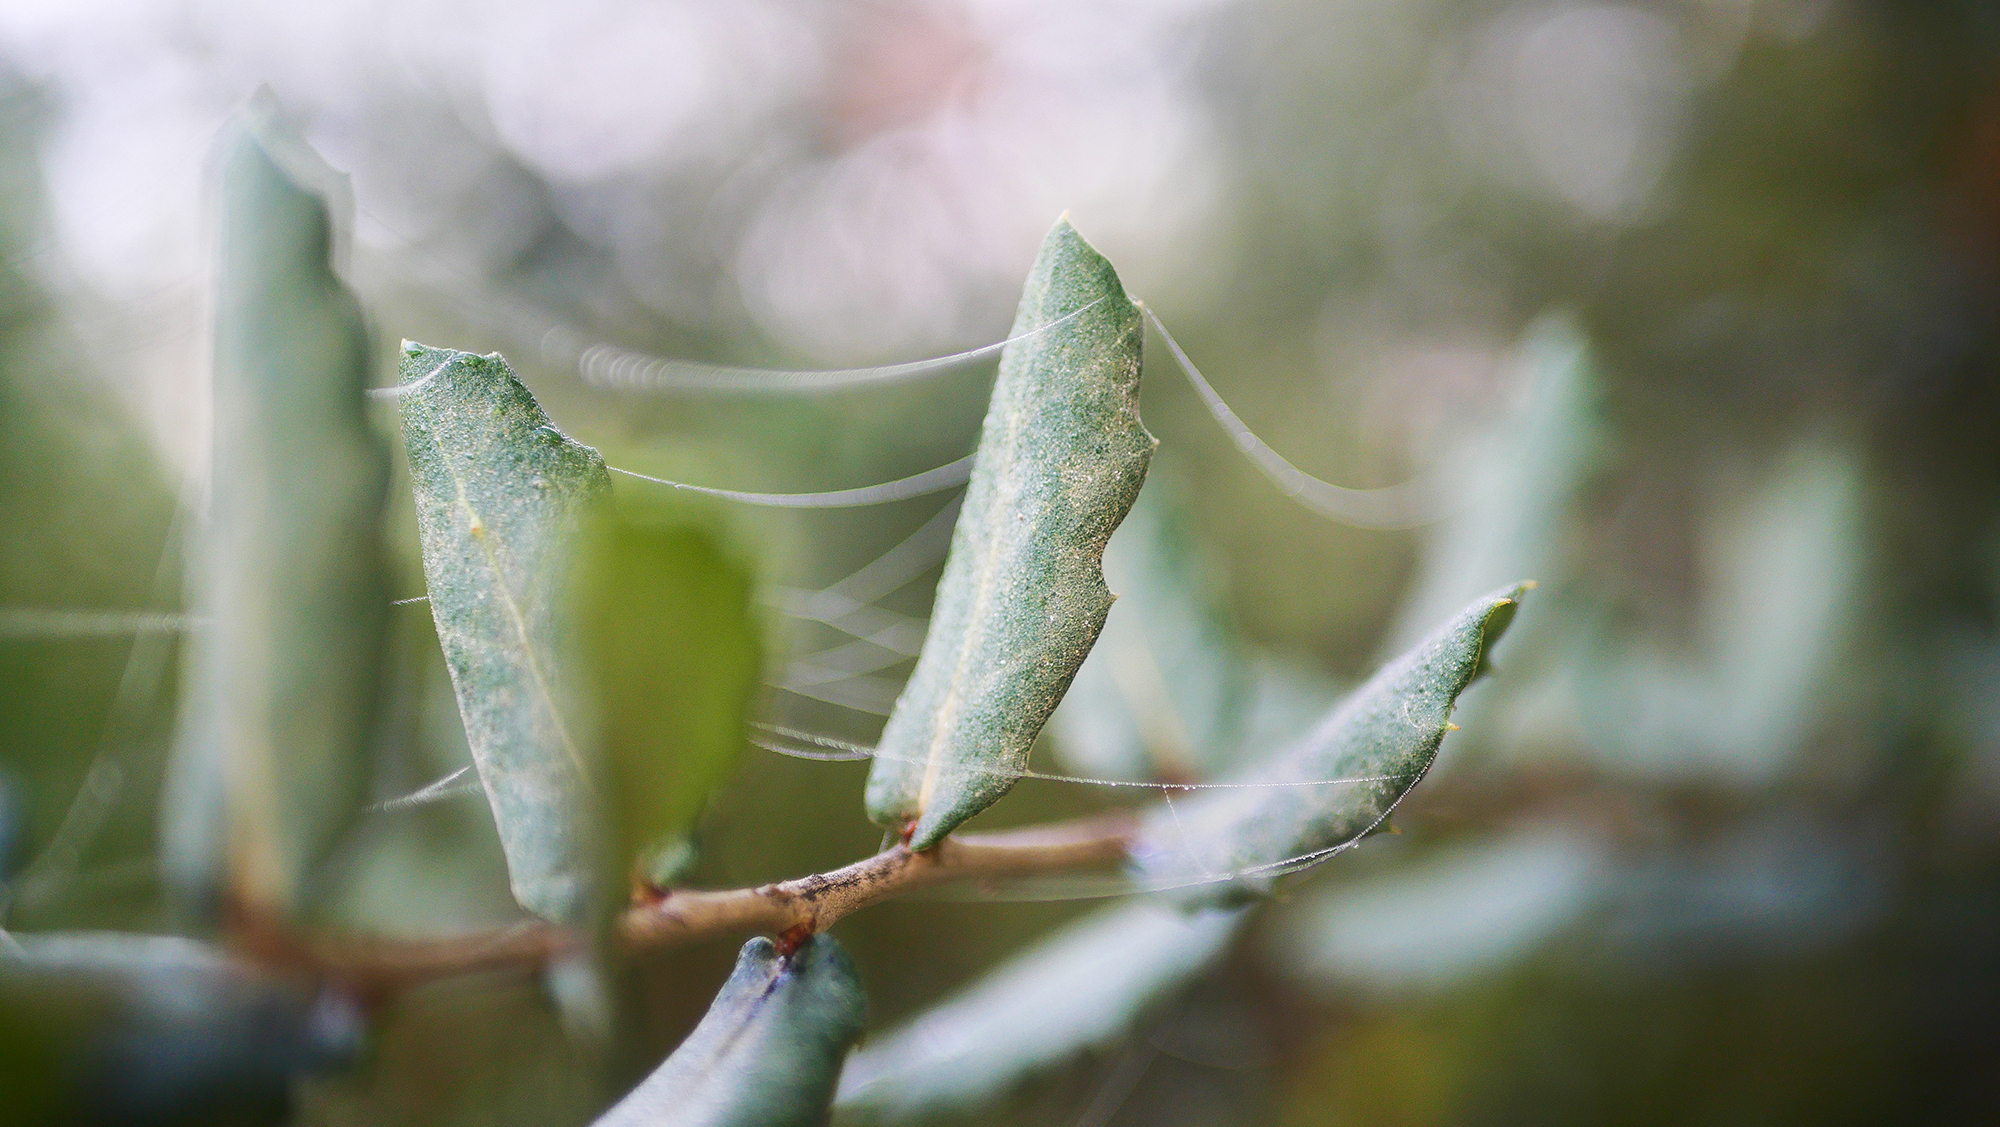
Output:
x=812 y=904
x=791 y=909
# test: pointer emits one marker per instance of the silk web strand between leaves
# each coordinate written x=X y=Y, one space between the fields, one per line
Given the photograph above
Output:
x=844 y=752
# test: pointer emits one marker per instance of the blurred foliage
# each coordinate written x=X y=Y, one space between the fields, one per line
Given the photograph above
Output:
x=1740 y=773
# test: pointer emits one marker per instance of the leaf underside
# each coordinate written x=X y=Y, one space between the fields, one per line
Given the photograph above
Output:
x=282 y=695
x=1359 y=761
x=1062 y=455
x=500 y=498
x=769 y=1051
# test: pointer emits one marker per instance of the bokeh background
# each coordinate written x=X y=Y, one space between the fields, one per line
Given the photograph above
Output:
x=1687 y=309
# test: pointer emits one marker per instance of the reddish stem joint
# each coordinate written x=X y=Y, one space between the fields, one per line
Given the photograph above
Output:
x=792 y=938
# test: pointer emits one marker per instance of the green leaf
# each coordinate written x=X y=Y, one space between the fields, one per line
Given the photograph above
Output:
x=1079 y=989
x=1165 y=692
x=501 y=496
x=1022 y=598
x=673 y=660
x=280 y=707
x=116 y=1015
x=769 y=1051
x=1340 y=781
x=1516 y=486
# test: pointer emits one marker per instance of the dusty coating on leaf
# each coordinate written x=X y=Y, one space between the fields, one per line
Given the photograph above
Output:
x=500 y=494
x=1384 y=736
x=283 y=686
x=1061 y=457
x=767 y=1053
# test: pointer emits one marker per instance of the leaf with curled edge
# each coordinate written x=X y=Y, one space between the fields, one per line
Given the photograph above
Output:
x=1061 y=457
x=1340 y=781
x=281 y=700
x=500 y=496
x=769 y=1051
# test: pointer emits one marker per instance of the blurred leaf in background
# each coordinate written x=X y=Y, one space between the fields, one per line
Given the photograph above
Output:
x=287 y=569
x=670 y=651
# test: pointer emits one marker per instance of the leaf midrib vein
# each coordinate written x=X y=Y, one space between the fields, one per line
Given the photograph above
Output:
x=976 y=614
x=519 y=621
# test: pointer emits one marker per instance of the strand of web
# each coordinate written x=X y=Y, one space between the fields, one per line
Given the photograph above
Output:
x=618 y=369
x=841 y=751
x=836 y=675
x=1408 y=505
x=104 y=780
x=1104 y=886
x=1083 y=888
x=611 y=368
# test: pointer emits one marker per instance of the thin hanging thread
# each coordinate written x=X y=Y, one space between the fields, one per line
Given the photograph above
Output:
x=841 y=751
x=948 y=476
x=608 y=366
x=1074 y=888
x=1408 y=505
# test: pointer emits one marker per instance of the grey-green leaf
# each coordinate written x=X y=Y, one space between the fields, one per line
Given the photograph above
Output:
x=672 y=661
x=1165 y=693
x=1079 y=989
x=769 y=1051
x=500 y=497
x=1338 y=783
x=1061 y=457
x=280 y=707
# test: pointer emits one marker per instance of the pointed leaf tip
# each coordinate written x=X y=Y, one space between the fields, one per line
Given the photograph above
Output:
x=1341 y=781
x=1022 y=598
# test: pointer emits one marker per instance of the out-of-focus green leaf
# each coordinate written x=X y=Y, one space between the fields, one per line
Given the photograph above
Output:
x=10 y=830
x=769 y=1051
x=483 y=1051
x=1078 y=989
x=1337 y=783
x=501 y=495
x=1447 y=917
x=280 y=709
x=1163 y=694
x=1516 y=486
x=1061 y=458
x=161 y=1029
x=670 y=647
x=1288 y=697
x=1784 y=568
